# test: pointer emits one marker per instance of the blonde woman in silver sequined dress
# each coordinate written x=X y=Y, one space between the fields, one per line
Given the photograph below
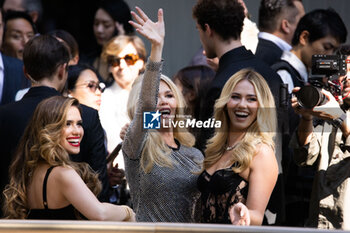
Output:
x=161 y=164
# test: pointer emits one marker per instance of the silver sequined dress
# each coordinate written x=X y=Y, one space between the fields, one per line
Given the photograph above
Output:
x=165 y=194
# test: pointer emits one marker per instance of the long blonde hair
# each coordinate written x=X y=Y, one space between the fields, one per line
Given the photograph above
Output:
x=155 y=150
x=41 y=143
x=262 y=130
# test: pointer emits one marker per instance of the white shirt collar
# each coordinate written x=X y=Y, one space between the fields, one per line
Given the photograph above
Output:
x=296 y=63
x=1 y=62
x=276 y=40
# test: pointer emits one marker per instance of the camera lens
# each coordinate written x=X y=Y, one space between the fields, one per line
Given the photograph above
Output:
x=310 y=96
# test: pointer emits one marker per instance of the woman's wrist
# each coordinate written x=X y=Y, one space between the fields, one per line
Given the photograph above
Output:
x=128 y=213
x=156 y=53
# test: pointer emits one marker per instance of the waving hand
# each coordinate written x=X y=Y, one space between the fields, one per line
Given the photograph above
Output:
x=153 y=31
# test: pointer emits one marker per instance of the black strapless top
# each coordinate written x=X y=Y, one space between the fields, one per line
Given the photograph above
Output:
x=219 y=192
x=65 y=213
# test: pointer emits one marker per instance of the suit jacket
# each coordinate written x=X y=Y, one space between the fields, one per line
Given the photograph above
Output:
x=14 y=118
x=14 y=79
x=230 y=63
x=268 y=52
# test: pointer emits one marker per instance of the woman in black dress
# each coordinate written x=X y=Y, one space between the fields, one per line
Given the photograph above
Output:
x=44 y=182
x=240 y=168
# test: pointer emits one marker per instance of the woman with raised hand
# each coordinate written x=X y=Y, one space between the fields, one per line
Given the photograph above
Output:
x=160 y=164
x=240 y=168
x=44 y=182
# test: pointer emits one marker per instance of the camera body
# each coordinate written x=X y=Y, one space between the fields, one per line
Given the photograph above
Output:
x=325 y=72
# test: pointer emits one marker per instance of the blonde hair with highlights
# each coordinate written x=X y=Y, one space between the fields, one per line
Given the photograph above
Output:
x=262 y=130
x=155 y=150
x=40 y=143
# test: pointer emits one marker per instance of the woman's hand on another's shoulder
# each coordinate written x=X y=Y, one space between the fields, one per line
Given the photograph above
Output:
x=123 y=131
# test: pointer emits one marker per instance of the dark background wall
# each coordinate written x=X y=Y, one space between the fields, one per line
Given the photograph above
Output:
x=182 y=40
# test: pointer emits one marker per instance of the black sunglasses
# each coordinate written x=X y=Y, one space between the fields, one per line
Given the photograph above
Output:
x=93 y=86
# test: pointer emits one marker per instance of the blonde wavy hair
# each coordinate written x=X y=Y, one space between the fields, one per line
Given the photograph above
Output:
x=262 y=130
x=41 y=143
x=155 y=150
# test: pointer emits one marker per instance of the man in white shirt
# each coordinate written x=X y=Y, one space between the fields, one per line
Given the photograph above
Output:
x=318 y=32
x=277 y=22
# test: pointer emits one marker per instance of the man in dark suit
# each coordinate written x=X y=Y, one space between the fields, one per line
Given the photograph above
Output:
x=277 y=23
x=12 y=77
x=45 y=63
x=220 y=37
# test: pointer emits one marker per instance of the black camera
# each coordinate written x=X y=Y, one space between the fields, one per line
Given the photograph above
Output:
x=325 y=72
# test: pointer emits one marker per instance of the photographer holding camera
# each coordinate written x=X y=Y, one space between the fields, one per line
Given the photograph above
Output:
x=320 y=31
x=322 y=139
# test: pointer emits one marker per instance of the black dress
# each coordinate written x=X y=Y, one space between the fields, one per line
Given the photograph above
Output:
x=220 y=191
x=65 y=213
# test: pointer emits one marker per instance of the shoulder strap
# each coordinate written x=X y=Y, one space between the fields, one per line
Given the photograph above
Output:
x=44 y=186
x=284 y=65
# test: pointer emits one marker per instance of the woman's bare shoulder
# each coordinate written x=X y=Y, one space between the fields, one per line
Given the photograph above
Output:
x=264 y=154
x=64 y=174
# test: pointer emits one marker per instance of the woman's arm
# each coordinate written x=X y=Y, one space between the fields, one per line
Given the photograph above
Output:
x=262 y=178
x=79 y=195
x=154 y=32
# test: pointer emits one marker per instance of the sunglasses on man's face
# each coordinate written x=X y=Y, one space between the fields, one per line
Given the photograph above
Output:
x=130 y=59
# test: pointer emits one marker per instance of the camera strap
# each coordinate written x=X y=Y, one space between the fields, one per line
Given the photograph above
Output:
x=284 y=65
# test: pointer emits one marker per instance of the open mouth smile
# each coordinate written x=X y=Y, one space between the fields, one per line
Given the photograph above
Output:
x=74 y=141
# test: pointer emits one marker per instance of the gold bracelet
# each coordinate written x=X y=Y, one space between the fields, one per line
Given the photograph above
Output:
x=127 y=212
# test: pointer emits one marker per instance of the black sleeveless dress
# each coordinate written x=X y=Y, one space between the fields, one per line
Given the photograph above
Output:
x=65 y=213
x=220 y=191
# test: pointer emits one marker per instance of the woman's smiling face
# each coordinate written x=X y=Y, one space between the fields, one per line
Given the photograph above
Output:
x=72 y=132
x=242 y=107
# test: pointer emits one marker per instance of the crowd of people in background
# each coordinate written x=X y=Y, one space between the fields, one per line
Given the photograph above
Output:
x=72 y=122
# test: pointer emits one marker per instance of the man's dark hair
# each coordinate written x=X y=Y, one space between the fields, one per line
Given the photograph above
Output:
x=271 y=11
x=321 y=23
x=42 y=55
x=10 y=15
x=68 y=38
x=225 y=17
